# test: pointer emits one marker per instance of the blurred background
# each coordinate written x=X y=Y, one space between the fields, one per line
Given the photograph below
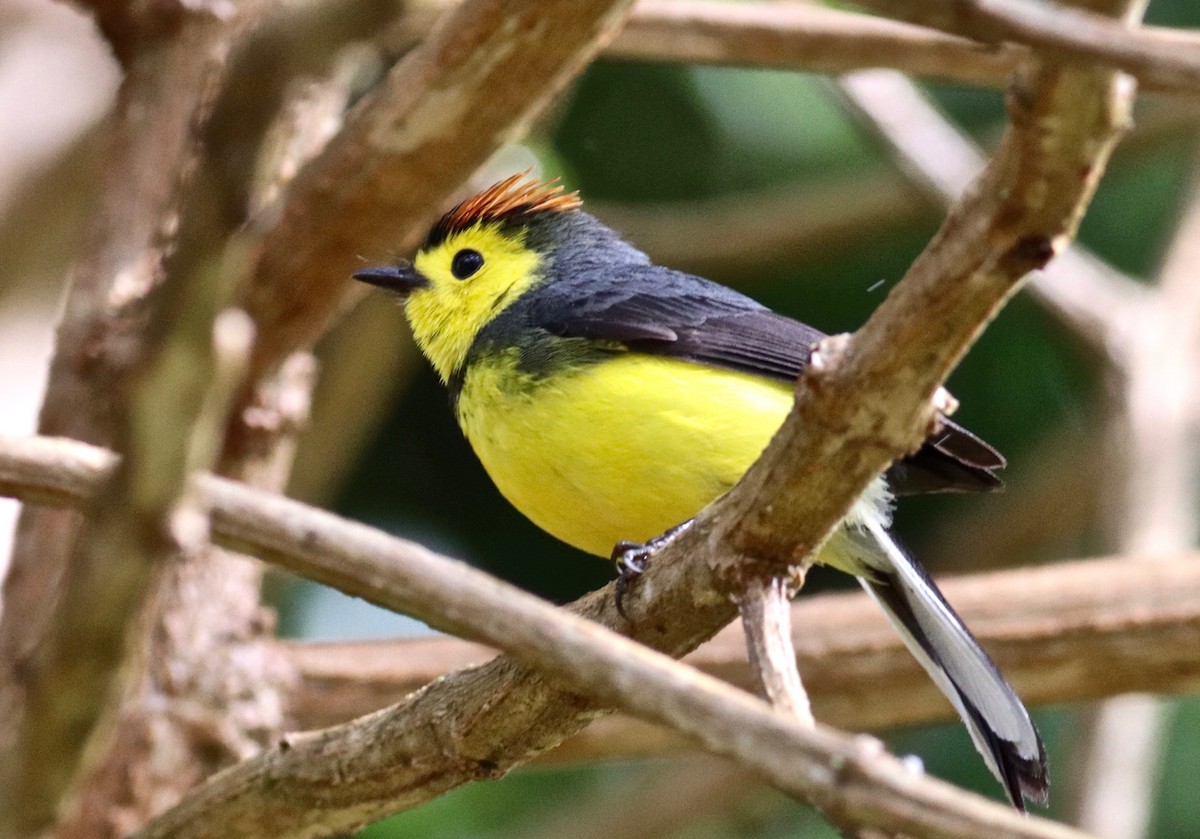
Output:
x=760 y=179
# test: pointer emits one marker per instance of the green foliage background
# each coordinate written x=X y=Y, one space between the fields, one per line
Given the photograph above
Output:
x=632 y=133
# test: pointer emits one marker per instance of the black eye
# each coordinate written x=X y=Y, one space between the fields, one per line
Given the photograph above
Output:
x=465 y=263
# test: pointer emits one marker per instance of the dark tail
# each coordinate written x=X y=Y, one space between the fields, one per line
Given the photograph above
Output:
x=998 y=722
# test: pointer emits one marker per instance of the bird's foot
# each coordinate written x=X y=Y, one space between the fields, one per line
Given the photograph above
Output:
x=631 y=559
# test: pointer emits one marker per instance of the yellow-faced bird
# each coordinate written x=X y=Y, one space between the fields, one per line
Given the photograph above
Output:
x=610 y=399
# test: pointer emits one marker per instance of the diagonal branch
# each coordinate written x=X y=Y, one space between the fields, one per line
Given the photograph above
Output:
x=1160 y=57
x=482 y=74
x=350 y=774
x=1056 y=632
x=1086 y=293
x=850 y=777
x=844 y=645
x=863 y=403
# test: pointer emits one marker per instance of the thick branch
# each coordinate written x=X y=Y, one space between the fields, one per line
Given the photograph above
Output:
x=863 y=402
x=485 y=70
x=375 y=755
x=854 y=780
x=1088 y=295
x=128 y=329
x=1057 y=633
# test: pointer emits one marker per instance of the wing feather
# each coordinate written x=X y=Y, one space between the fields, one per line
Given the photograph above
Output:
x=662 y=312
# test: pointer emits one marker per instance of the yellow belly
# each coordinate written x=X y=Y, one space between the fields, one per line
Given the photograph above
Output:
x=619 y=450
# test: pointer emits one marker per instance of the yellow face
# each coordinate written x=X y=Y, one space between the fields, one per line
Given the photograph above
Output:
x=473 y=275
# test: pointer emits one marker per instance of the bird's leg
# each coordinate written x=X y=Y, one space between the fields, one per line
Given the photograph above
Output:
x=631 y=558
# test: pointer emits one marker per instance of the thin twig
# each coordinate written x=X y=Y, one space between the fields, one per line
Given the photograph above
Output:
x=1156 y=433
x=812 y=38
x=1162 y=57
x=765 y=608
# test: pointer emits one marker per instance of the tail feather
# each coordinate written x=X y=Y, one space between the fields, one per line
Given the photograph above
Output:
x=997 y=720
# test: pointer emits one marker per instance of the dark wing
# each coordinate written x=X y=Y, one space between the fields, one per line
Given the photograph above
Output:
x=663 y=312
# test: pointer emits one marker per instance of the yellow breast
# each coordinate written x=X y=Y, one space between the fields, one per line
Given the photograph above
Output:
x=618 y=450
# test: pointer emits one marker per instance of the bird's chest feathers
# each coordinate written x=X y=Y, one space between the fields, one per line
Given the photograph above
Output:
x=619 y=449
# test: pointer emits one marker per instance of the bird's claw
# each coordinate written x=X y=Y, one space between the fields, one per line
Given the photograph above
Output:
x=631 y=559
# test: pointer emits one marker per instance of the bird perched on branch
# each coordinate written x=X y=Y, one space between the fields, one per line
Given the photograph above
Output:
x=610 y=399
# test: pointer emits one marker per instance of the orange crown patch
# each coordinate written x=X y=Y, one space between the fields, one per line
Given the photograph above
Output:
x=518 y=195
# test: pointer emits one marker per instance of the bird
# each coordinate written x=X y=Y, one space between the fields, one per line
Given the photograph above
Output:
x=610 y=399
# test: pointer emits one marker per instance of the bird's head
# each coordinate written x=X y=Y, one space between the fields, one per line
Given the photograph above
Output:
x=477 y=259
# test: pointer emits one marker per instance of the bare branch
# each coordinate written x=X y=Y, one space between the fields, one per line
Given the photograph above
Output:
x=844 y=645
x=1056 y=632
x=1161 y=57
x=850 y=778
x=405 y=149
x=862 y=402
x=125 y=330
x=803 y=37
x=840 y=775
x=823 y=40
x=765 y=608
